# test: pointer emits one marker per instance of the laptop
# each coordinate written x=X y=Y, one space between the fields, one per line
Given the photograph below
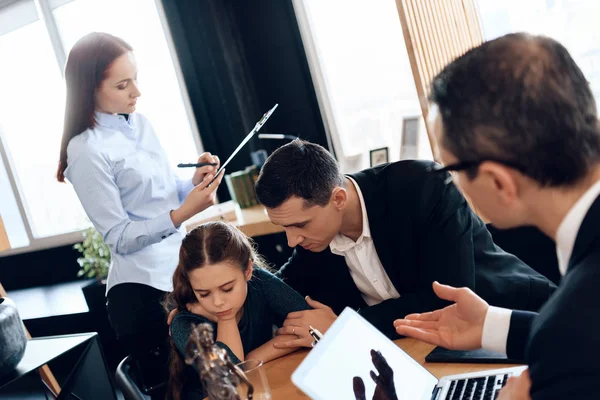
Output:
x=343 y=357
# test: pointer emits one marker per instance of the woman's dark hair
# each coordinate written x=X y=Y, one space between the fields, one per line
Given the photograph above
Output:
x=86 y=68
x=210 y=243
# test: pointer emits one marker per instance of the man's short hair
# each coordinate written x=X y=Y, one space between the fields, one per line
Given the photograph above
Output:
x=298 y=169
x=520 y=99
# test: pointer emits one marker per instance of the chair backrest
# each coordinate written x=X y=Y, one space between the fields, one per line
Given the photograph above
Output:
x=124 y=377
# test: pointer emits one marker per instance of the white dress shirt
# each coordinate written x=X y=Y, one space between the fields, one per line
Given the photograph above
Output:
x=497 y=320
x=126 y=186
x=362 y=260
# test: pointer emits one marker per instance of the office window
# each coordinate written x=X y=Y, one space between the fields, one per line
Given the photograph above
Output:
x=362 y=76
x=574 y=23
x=11 y=216
x=34 y=42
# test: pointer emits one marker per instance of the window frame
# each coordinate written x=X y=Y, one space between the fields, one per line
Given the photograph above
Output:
x=334 y=134
x=332 y=131
x=44 y=9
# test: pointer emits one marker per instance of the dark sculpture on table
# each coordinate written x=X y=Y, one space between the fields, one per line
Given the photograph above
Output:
x=219 y=376
x=12 y=336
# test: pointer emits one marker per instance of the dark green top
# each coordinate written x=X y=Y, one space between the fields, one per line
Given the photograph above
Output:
x=268 y=302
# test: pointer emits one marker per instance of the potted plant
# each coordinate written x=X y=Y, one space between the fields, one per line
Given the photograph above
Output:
x=94 y=263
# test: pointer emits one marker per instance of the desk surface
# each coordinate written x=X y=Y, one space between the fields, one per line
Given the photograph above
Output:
x=252 y=221
x=49 y=301
x=280 y=371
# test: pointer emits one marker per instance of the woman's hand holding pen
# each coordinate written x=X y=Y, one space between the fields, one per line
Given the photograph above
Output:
x=199 y=199
x=208 y=169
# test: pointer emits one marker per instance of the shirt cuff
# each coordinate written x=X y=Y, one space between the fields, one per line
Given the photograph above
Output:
x=161 y=227
x=495 y=329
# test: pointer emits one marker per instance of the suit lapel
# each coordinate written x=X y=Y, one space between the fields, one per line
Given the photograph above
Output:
x=588 y=234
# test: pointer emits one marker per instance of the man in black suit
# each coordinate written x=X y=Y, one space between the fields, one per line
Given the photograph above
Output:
x=377 y=239
x=516 y=121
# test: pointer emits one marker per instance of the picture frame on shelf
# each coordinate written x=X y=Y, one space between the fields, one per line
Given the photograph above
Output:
x=379 y=156
x=409 y=145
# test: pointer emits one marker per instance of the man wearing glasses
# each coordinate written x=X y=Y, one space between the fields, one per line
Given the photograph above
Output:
x=516 y=121
x=377 y=239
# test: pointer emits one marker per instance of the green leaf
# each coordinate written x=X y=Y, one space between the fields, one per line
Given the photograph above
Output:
x=95 y=260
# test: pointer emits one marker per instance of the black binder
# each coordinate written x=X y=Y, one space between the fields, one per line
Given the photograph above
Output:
x=480 y=356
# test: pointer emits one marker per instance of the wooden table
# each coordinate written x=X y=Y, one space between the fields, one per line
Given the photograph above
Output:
x=279 y=371
x=252 y=221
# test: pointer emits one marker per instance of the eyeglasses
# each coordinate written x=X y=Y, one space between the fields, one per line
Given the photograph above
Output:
x=465 y=165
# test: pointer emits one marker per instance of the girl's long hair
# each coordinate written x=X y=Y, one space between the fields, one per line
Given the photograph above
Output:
x=210 y=243
x=86 y=67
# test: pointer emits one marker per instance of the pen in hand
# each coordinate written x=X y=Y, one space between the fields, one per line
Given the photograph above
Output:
x=316 y=335
x=198 y=165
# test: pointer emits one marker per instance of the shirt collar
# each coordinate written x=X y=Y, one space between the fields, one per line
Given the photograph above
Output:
x=569 y=227
x=340 y=243
x=114 y=121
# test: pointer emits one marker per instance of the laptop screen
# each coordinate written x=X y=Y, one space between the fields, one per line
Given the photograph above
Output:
x=340 y=364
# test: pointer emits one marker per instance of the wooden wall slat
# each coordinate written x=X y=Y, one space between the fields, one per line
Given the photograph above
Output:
x=410 y=43
x=442 y=31
x=420 y=55
x=435 y=33
x=473 y=18
x=438 y=45
x=457 y=13
x=449 y=21
x=422 y=39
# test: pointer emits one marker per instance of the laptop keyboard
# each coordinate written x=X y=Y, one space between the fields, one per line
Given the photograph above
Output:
x=484 y=388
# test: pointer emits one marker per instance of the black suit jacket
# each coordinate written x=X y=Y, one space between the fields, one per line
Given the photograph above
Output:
x=561 y=344
x=423 y=230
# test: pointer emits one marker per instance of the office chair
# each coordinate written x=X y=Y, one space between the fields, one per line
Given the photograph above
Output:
x=129 y=382
x=141 y=379
x=124 y=378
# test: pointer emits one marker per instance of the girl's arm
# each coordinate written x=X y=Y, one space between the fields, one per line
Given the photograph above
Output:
x=268 y=352
x=181 y=328
x=228 y=333
x=281 y=300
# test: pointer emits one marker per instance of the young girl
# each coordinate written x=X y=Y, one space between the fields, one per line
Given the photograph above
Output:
x=219 y=277
x=122 y=177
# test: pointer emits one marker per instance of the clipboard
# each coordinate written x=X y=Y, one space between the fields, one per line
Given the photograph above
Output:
x=249 y=136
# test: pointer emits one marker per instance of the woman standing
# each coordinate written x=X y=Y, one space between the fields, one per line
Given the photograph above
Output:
x=122 y=177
